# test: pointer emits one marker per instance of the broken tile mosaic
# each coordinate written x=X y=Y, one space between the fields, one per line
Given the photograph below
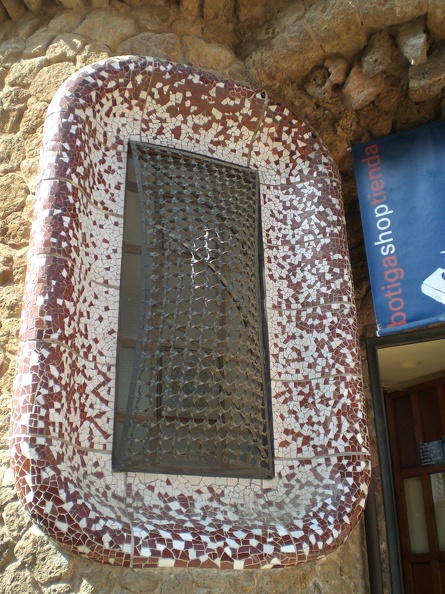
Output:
x=62 y=419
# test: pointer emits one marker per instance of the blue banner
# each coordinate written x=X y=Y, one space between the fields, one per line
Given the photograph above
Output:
x=401 y=188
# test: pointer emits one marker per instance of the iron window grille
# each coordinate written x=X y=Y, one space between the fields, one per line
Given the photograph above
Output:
x=193 y=388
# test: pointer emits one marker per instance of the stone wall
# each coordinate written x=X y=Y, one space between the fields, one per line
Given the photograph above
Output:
x=354 y=69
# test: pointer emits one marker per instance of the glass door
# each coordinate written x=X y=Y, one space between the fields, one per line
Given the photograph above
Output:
x=416 y=428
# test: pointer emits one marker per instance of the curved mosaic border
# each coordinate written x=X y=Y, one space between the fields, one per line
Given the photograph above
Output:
x=62 y=417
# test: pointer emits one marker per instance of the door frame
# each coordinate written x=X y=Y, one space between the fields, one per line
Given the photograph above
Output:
x=383 y=447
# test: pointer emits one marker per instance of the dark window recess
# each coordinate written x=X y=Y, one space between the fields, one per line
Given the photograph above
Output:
x=193 y=381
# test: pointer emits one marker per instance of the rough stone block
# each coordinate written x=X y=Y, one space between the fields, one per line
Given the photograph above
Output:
x=107 y=26
x=250 y=9
x=39 y=554
x=409 y=114
x=220 y=10
x=12 y=150
x=337 y=26
x=338 y=69
x=100 y=3
x=3 y=14
x=12 y=106
x=132 y=2
x=191 y=8
x=391 y=94
x=62 y=588
x=64 y=48
x=384 y=13
x=66 y=21
x=7 y=492
x=412 y=41
x=49 y=79
x=206 y=55
x=92 y=52
x=166 y=46
x=361 y=89
x=73 y=4
x=6 y=545
x=382 y=55
x=155 y=18
x=317 y=82
x=187 y=26
x=377 y=122
x=34 y=5
x=6 y=263
x=13 y=192
x=290 y=55
x=14 y=231
x=16 y=522
x=15 y=8
x=257 y=34
x=436 y=18
x=16 y=579
x=29 y=25
x=237 y=71
x=427 y=80
x=29 y=169
x=11 y=50
x=22 y=73
x=142 y=581
x=38 y=43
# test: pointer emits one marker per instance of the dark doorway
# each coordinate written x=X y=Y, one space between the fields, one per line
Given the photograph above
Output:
x=416 y=427
x=408 y=384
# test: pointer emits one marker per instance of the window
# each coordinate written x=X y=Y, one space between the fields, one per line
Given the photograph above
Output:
x=67 y=358
x=193 y=383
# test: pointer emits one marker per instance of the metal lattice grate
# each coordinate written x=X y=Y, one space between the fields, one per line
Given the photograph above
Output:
x=192 y=373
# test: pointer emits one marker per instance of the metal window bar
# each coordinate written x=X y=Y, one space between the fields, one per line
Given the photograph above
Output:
x=193 y=389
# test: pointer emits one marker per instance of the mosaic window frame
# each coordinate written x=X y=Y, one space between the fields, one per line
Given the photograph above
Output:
x=62 y=419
